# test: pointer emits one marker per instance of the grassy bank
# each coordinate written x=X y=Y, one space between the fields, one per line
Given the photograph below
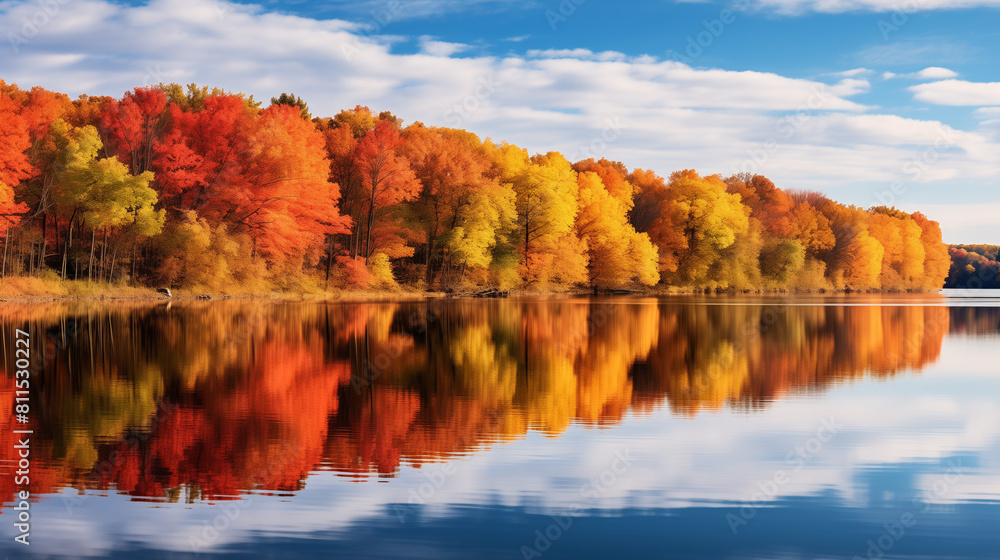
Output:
x=29 y=288
x=26 y=288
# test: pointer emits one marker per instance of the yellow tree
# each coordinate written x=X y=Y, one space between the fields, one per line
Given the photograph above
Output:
x=614 y=177
x=936 y=259
x=617 y=254
x=903 y=261
x=546 y=191
x=855 y=260
x=463 y=206
x=102 y=191
x=698 y=219
x=865 y=265
x=739 y=265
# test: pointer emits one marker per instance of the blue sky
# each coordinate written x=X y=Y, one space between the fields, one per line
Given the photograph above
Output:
x=868 y=101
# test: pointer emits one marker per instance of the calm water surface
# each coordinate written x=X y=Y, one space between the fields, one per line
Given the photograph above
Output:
x=716 y=427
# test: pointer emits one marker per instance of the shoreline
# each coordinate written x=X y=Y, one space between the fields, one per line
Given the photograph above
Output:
x=110 y=293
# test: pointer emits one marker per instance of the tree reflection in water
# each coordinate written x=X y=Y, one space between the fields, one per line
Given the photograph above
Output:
x=259 y=395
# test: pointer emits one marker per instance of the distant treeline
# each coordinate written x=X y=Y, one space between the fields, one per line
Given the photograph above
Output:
x=206 y=189
x=973 y=267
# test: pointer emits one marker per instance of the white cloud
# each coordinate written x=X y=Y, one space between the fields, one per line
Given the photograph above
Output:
x=929 y=73
x=440 y=48
x=915 y=52
x=798 y=7
x=414 y=9
x=958 y=92
x=989 y=123
x=850 y=86
x=854 y=72
x=987 y=112
x=561 y=53
x=935 y=73
x=430 y=8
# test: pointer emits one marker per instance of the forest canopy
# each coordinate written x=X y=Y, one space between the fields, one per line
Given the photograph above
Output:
x=206 y=189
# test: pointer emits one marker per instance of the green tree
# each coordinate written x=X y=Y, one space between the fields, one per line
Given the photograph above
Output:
x=293 y=101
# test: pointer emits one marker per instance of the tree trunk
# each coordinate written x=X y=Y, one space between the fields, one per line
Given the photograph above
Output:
x=371 y=221
x=111 y=271
x=527 y=255
x=41 y=254
x=428 y=275
x=104 y=255
x=90 y=266
x=6 y=240
x=67 y=245
x=329 y=262
x=135 y=245
x=65 y=252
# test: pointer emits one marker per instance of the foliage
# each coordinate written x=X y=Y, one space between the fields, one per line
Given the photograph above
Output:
x=292 y=100
x=200 y=187
x=974 y=267
x=203 y=257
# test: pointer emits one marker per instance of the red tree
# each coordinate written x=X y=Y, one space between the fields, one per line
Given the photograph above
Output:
x=387 y=176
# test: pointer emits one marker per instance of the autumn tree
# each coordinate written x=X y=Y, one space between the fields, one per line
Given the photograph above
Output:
x=936 y=259
x=261 y=172
x=386 y=175
x=973 y=267
x=546 y=191
x=698 y=219
x=25 y=182
x=132 y=127
x=767 y=203
x=464 y=207
x=199 y=165
x=86 y=110
x=855 y=260
x=649 y=191
x=617 y=254
x=290 y=204
x=342 y=134
x=15 y=139
x=105 y=196
x=361 y=120
x=903 y=259
x=614 y=177
x=194 y=96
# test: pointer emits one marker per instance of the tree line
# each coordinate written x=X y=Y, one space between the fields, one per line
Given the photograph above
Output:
x=203 y=188
x=974 y=267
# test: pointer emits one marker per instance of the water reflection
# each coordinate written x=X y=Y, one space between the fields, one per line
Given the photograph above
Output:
x=211 y=400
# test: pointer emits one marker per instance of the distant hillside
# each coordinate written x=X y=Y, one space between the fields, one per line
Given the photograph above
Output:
x=973 y=266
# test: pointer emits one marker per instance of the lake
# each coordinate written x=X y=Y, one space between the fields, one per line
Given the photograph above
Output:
x=824 y=426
